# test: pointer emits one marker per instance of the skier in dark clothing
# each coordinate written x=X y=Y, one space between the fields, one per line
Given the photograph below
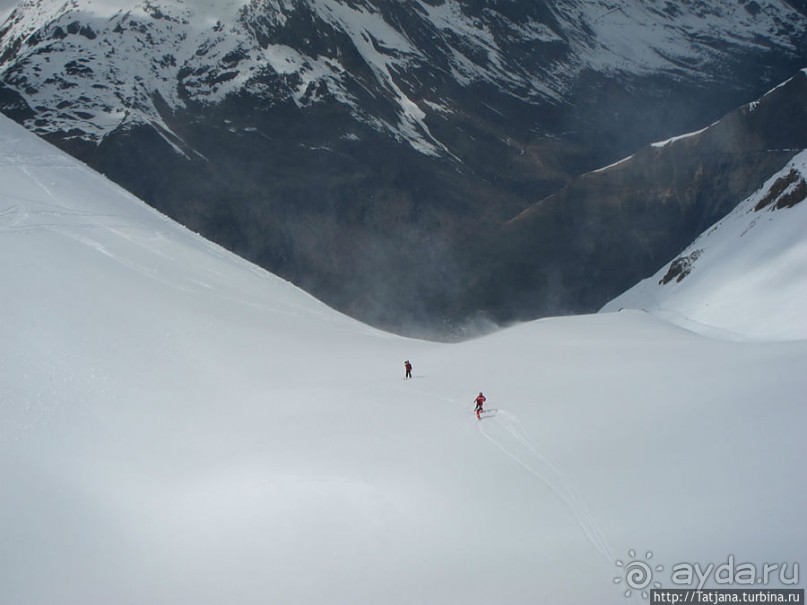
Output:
x=480 y=401
x=408 y=367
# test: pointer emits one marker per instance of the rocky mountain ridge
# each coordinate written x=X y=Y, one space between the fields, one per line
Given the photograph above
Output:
x=357 y=147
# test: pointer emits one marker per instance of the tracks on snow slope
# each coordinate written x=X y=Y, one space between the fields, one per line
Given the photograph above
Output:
x=510 y=437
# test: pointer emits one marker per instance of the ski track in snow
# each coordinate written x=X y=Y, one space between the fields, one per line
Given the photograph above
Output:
x=535 y=462
x=539 y=465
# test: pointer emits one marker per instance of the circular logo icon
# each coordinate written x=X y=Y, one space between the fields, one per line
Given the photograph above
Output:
x=637 y=574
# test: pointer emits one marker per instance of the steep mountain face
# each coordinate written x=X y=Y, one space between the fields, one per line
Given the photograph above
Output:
x=610 y=228
x=743 y=275
x=367 y=150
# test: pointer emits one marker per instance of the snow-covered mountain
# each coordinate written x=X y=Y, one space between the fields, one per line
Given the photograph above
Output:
x=362 y=149
x=179 y=426
x=746 y=274
x=88 y=66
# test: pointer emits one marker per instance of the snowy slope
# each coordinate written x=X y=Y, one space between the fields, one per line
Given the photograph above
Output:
x=177 y=426
x=747 y=275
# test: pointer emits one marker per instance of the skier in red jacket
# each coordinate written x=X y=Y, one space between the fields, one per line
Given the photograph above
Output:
x=480 y=401
x=408 y=367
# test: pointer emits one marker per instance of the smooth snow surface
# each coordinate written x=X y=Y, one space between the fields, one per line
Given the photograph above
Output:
x=177 y=426
x=750 y=277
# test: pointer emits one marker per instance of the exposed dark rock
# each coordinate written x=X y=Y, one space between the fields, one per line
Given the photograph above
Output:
x=680 y=267
x=13 y=105
x=793 y=197
x=786 y=191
